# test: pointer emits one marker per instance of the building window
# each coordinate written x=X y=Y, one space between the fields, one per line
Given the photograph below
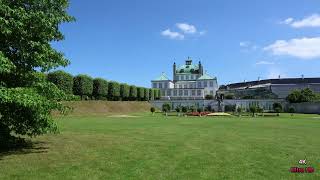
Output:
x=199 y=84
x=187 y=77
x=185 y=86
x=193 y=92
x=166 y=85
x=160 y=85
x=180 y=85
x=182 y=78
x=199 y=93
x=163 y=93
x=168 y=92
x=180 y=93
x=205 y=84
x=211 y=83
x=211 y=92
x=175 y=93
x=192 y=77
x=186 y=93
x=154 y=85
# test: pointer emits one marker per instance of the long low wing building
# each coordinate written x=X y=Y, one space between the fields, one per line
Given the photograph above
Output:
x=280 y=87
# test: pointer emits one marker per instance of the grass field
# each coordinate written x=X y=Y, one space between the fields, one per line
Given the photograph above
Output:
x=147 y=147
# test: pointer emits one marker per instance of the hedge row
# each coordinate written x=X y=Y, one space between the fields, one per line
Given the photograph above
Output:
x=88 y=88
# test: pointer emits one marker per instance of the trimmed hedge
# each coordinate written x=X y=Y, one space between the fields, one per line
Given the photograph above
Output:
x=114 y=91
x=63 y=80
x=146 y=94
x=82 y=86
x=100 y=89
x=124 y=91
x=140 y=93
x=133 y=93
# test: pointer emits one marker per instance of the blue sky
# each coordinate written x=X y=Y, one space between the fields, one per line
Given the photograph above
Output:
x=134 y=41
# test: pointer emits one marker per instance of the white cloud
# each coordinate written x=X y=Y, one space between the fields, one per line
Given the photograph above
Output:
x=172 y=34
x=202 y=33
x=310 y=21
x=264 y=63
x=304 y=48
x=187 y=28
x=244 y=44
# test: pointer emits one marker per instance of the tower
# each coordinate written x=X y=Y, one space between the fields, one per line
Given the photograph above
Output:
x=200 y=68
x=174 y=71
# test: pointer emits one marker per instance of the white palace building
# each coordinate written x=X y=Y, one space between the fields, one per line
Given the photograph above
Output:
x=189 y=83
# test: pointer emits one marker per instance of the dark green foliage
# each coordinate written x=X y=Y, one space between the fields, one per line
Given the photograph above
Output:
x=230 y=108
x=199 y=110
x=146 y=94
x=304 y=95
x=26 y=97
x=259 y=109
x=82 y=85
x=133 y=93
x=184 y=109
x=152 y=109
x=113 y=91
x=208 y=108
x=63 y=80
x=253 y=109
x=151 y=94
x=124 y=91
x=100 y=89
x=166 y=108
x=229 y=96
x=277 y=107
x=291 y=110
x=178 y=109
x=140 y=93
x=209 y=97
x=239 y=110
x=193 y=108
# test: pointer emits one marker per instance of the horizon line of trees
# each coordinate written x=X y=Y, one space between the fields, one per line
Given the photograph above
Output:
x=84 y=87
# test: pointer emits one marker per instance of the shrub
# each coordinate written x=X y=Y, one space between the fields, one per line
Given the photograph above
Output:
x=113 y=91
x=199 y=110
x=208 y=97
x=230 y=108
x=82 y=85
x=151 y=94
x=277 y=107
x=63 y=80
x=291 y=110
x=229 y=96
x=133 y=93
x=166 y=108
x=184 y=109
x=146 y=94
x=152 y=110
x=304 y=95
x=100 y=89
x=208 y=108
x=124 y=91
x=253 y=109
x=140 y=93
x=239 y=110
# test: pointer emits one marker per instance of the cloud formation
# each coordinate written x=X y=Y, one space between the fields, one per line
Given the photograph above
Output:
x=310 y=21
x=172 y=34
x=187 y=28
x=303 y=48
x=264 y=63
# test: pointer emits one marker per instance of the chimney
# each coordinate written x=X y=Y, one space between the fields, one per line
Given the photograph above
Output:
x=200 y=68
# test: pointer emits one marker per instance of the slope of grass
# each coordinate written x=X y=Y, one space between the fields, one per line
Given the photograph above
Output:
x=93 y=108
x=161 y=147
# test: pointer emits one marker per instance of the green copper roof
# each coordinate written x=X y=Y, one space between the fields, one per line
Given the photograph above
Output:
x=163 y=77
x=193 y=69
x=206 y=77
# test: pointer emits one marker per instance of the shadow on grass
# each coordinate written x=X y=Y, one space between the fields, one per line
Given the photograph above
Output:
x=21 y=147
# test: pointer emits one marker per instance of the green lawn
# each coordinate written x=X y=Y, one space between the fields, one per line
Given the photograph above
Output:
x=146 y=147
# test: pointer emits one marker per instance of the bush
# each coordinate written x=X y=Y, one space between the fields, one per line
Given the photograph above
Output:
x=230 y=108
x=140 y=93
x=113 y=91
x=253 y=109
x=146 y=94
x=291 y=110
x=100 y=89
x=208 y=97
x=229 y=96
x=63 y=80
x=133 y=93
x=166 y=108
x=124 y=91
x=152 y=109
x=304 y=95
x=82 y=85
x=277 y=107
x=184 y=109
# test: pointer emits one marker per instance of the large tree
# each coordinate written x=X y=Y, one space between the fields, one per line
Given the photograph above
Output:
x=26 y=99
